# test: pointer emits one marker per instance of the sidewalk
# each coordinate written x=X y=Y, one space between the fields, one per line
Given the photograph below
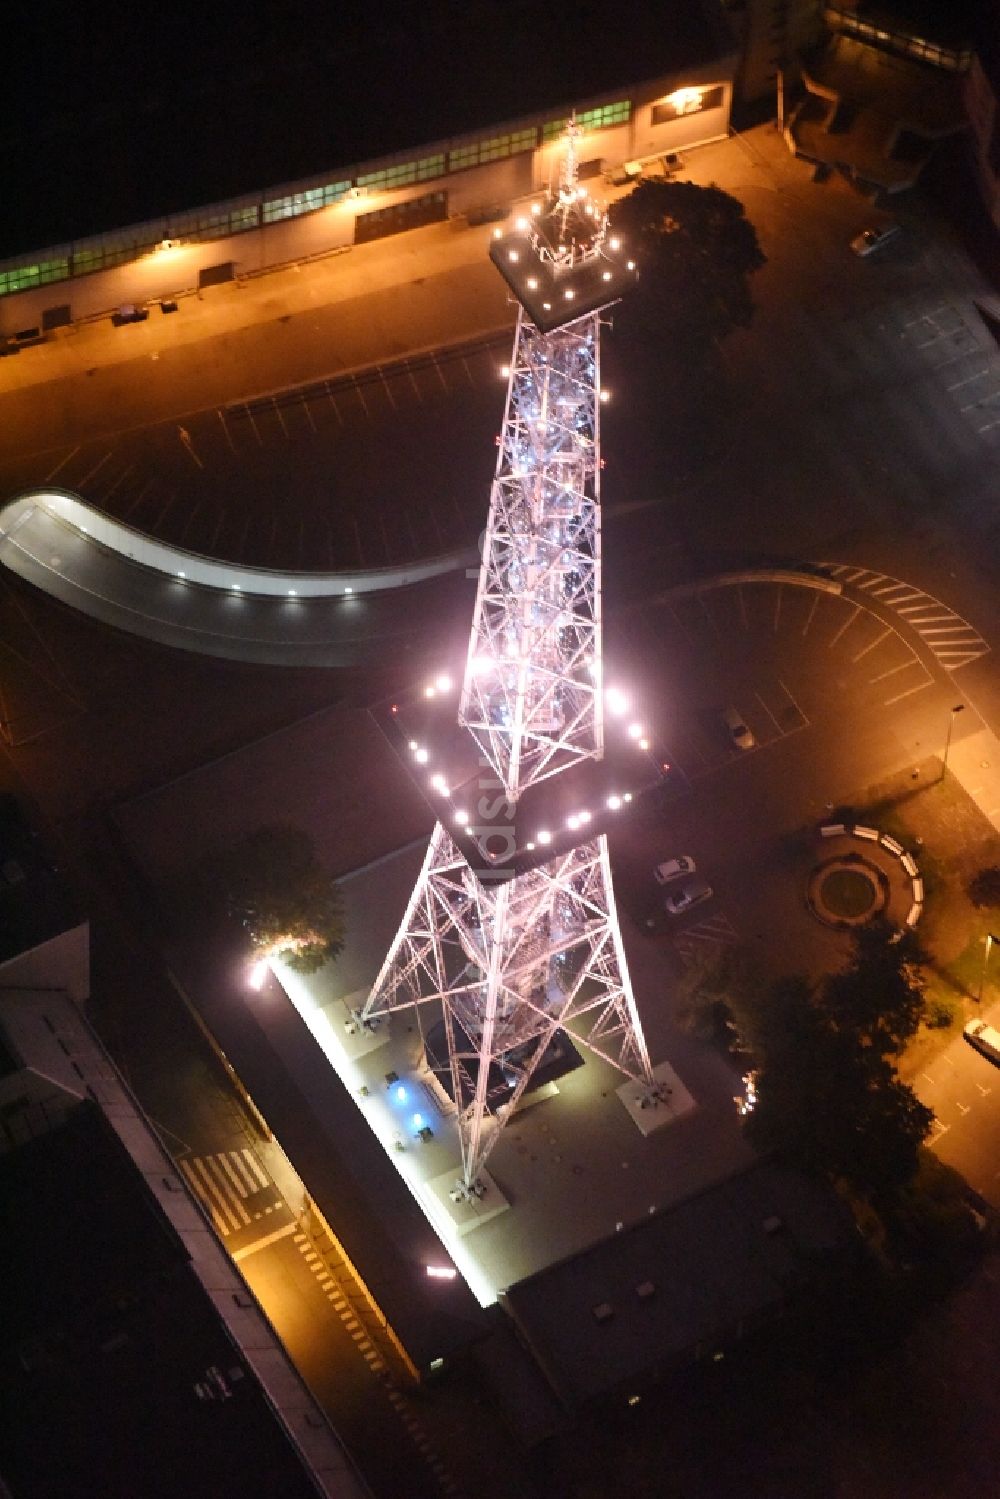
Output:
x=355 y=307
x=974 y=761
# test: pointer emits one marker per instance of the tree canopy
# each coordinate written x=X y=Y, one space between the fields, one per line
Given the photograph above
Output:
x=828 y=1096
x=696 y=250
x=272 y=882
x=984 y=888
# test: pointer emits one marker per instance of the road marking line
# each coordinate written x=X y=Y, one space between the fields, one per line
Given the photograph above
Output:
x=845 y=626
x=214 y=1166
x=913 y=661
x=793 y=700
x=252 y=1164
x=815 y=605
x=768 y=712
x=955 y=630
x=963 y=1108
x=928 y=1077
x=194 y=1183
x=209 y=1185
x=249 y=1186
x=877 y=641
x=61 y=464
x=271 y=1238
x=236 y=1181
x=888 y=702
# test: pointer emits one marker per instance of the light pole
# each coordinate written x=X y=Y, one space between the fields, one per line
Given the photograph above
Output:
x=947 y=743
x=991 y=937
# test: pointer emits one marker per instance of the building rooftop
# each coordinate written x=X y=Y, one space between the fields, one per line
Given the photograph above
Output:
x=151 y=112
x=101 y=1313
x=34 y=901
x=693 y=1275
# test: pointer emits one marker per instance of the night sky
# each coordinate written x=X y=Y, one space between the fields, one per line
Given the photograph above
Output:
x=116 y=113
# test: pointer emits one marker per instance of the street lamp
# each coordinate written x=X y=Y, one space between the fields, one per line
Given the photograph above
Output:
x=991 y=937
x=947 y=743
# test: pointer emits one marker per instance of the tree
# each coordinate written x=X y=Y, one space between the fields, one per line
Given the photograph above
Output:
x=695 y=249
x=879 y=997
x=828 y=1096
x=272 y=882
x=984 y=888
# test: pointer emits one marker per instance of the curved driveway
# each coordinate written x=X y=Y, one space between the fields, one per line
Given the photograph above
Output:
x=123 y=578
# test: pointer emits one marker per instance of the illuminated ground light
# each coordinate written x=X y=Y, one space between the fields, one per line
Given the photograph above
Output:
x=543 y=837
x=441 y=1272
x=443 y=682
x=461 y=817
x=614 y=802
x=635 y=731
x=615 y=700
x=258 y=973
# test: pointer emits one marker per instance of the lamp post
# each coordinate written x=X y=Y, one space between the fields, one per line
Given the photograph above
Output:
x=991 y=937
x=947 y=743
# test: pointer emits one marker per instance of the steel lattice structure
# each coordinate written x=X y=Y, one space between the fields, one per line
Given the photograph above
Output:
x=532 y=692
x=511 y=962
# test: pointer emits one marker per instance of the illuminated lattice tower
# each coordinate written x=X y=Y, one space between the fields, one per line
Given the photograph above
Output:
x=511 y=961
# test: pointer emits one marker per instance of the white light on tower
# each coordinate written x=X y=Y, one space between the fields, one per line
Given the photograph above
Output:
x=532 y=701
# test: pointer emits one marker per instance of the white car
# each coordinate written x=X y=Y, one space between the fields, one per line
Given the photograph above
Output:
x=672 y=869
x=686 y=897
x=870 y=240
x=739 y=734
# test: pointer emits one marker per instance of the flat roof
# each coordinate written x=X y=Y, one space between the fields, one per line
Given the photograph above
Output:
x=107 y=1337
x=571 y=1166
x=645 y=1299
x=150 y=113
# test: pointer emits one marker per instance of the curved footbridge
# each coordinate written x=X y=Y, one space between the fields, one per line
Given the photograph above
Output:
x=119 y=576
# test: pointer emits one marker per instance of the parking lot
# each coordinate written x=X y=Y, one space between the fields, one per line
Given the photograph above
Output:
x=360 y=470
x=838 y=692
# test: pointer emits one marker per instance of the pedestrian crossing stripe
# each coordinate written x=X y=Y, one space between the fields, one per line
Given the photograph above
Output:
x=228 y=1186
x=951 y=639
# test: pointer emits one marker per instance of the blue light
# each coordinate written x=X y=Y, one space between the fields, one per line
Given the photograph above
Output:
x=401 y=1093
x=418 y=1121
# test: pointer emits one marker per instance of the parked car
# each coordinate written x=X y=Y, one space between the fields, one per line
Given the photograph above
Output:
x=740 y=735
x=870 y=240
x=672 y=869
x=686 y=896
x=985 y=1039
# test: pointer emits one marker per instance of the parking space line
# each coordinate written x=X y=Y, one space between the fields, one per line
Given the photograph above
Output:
x=79 y=483
x=812 y=611
x=876 y=642
x=768 y=712
x=61 y=464
x=845 y=626
x=804 y=717
x=904 y=666
x=777 y=608
x=888 y=702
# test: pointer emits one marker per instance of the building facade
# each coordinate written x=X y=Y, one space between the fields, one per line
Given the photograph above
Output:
x=465 y=180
